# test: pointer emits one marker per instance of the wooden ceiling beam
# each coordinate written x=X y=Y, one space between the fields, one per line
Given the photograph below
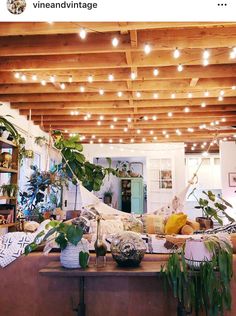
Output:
x=111 y=60
x=123 y=74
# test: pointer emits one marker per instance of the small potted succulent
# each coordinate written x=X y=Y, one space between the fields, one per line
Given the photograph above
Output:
x=74 y=248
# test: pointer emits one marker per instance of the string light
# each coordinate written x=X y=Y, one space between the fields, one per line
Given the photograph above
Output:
x=143 y=139
x=101 y=91
x=82 y=89
x=34 y=77
x=155 y=95
x=186 y=110
x=138 y=94
x=138 y=131
x=119 y=93
x=132 y=140
x=176 y=53
x=147 y=49
x=101 y=117
x=23 y=78
x=206 y=54
x=133 y=75
x=190 y=130
x=120 y=140
x=206 y=93
x=180 y=68
x=82 y=33
x=17 y=75
x=90 y=78
x=190 y=95
x=205 y=62
x=220 y=98
x=112 y=126
x=155 y=72
x=173 y=95
x=115 y=119
x=203 y=104
x=70 y=79
x=115 y=42
x=154 y=117
x=129 y=119
x=62 y=86
x=99 y=123
x=110 y=77
x=170 y=114
x=125 y=129
x=151 y=132
x=43 y=83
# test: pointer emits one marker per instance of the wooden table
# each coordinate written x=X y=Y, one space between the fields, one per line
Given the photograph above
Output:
x=146 y=269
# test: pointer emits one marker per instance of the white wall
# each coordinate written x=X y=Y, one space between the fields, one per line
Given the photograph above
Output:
x=228 y=164
x=151 y=152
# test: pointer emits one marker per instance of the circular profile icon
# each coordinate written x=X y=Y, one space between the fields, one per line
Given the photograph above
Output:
x=16 y=6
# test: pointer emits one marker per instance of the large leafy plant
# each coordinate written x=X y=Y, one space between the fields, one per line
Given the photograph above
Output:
x=207 y=289
x=213 y=206
x=91 y=175
x=63 y=234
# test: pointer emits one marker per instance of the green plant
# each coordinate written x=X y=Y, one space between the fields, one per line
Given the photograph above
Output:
x=207 y=289
x=12 y=130
x=9 y=190
x=40 y=140
x=91 y=175
x=63 y=234
x=213 y=207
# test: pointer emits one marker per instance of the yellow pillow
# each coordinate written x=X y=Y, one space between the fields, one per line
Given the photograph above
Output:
x=153 y=224
x=175 y=222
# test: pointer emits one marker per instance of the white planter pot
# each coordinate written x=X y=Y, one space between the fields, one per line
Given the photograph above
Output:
x=70 y=255
x=196 y=252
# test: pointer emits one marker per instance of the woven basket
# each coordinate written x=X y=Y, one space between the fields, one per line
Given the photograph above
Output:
x=70 y=255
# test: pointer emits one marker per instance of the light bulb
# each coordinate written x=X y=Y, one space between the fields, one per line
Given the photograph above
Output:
x=82 y=89
x=154 y=117
x=112 y=126
x=70 y=79
x=34 y=78
x=110 y=77
x=144 y=139
x=91 y=142
x=151 y=132
x=99 y=123
x=186 y=110
x=115 y=42
x=23 y=77
x=110 y=140
x=147 y=49
x=232 y=55
x=170 y=114
x=180 y=68
x=121 y=140
x=164 y=132
x=89 y=115
x=125 y=129
x=205 y=62
x=138 y=94
x=203 y=104
x=17 y=75
x=206 y=93
x=138 y=131
x=82 y=33
x=119 y=94
x=52 y=79
x=90 y=78
x=206 y=54
x=43 y=83
x=220 y=98
x=145 y=118
x=222 y=92
x=93 y=136
x=99 y=140
x=115 y=119
x=176 y=53
x=133 y=75
x=132 y=140
x=155 y=72
x=101 y=117
x=62 y=86
x=101 y=91
x=155 y=95
x=72 y=113
x=190 y=95
x=129 y=119
x=155 y=138
x=173 y=95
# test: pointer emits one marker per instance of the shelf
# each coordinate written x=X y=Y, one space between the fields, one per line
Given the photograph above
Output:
x=8 y=170
x=4 y=143
x=7 y=225
x=7 y=197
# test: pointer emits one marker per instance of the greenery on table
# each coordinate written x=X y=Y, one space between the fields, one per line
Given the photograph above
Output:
x=91 y=175
x=213 y=206
x=208 y=288
x=63 y=234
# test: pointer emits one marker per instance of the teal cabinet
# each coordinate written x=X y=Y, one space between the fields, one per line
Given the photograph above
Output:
x=131 y=197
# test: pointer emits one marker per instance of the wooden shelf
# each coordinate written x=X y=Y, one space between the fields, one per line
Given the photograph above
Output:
x=7 y=197
x=8 y=170
x=7 y=225
x=4 y=143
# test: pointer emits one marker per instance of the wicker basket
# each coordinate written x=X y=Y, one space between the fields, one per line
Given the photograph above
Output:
x=70 y=255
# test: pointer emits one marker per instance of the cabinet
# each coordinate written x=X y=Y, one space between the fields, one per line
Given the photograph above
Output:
x=8 y=176
x=131 y=197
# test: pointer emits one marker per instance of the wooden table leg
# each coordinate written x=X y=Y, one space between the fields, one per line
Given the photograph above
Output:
x=81 y=309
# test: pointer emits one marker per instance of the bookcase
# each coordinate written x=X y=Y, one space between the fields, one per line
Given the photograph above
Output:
x=8 y=175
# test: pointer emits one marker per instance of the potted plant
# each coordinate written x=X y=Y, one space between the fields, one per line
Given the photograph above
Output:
x=9 y=190
x=207 y=288
x=40 y=140
x=212 y=208
x=107 y=196
x=74 y=248
x=122 y=168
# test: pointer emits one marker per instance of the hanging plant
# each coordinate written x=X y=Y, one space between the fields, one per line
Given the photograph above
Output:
x=40 y=140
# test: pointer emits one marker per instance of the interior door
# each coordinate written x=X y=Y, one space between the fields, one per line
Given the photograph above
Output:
x=137 y=196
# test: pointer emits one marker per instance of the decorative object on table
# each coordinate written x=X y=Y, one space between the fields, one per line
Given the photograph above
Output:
x=208 y=288
x=5 y=160
x=9 y=190
x=100 y=246
x=232 y=179
x=74 y=249
x=128 y=249
x=212 y=207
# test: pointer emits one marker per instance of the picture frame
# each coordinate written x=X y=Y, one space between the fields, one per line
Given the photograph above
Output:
x=165 y=179
x=232 y=179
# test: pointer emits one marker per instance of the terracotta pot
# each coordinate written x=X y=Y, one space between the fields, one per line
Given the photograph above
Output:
x=196 y=252
x=204 y=222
